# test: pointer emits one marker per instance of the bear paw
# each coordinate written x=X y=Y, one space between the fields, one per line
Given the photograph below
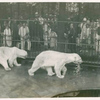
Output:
x=30 y=73
x=18 y=65
x=51 y=74
x=62 y=76
x=7 y=69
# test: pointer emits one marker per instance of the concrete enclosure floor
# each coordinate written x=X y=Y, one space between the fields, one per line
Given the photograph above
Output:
x=18 y=84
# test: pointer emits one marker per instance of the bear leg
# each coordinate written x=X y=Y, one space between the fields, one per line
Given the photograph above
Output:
x=58 y=72
x=10 y=62
x=16 y=64
x=32 y=70
x=64 y=69
x=50 y=72
x=5 y=65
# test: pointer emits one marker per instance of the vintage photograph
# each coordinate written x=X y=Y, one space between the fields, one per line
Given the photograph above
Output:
x=49 y=49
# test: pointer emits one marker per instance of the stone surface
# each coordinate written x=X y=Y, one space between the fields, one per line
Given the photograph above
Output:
x=18 y=84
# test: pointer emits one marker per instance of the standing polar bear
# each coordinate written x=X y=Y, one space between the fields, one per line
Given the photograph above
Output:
x=10 y=54
x=48 y=59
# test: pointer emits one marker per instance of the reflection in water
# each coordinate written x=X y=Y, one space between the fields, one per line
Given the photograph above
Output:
x=84 y=93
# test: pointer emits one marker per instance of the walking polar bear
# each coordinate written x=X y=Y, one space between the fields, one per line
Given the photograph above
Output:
x=10 y=54
x=48 y=59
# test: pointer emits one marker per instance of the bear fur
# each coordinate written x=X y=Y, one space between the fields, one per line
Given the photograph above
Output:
x=48 y=59
x=10 y=54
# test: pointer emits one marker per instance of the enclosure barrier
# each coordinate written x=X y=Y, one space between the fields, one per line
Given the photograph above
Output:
x=71 y=37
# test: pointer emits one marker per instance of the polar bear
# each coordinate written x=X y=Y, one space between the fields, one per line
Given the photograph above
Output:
x=10 y=55
x=48 y=59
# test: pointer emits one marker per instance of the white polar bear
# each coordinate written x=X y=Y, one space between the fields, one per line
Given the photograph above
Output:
x=48 y=59
x=10 y=54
